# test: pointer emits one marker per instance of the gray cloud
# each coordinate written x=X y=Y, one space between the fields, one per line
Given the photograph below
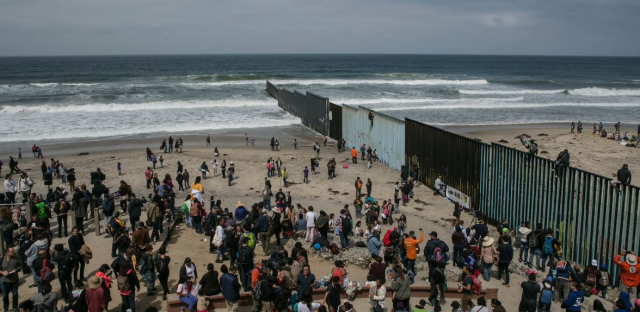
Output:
x=560 y=27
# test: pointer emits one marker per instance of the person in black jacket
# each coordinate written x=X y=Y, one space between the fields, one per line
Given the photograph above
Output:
x=430 y=248
x=505 y=255
x=209 y=282
x=265 y=288
x=129 y=300
x=65 y=266
x=135 y=209
x=61 y=209
x=624 y=175
x=230 y=287
x=76 y=241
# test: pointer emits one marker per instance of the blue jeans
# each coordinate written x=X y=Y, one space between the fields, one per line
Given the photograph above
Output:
x=537 y=253
x=221 y=251
x=544 y=257
x=191 y=300
x=457 y=252
x=129 y=301
x=524 y=249
x=486 y=271
x=36 y=279
x=151 y=282
x=13 y=288
x=344 y=240
x=267 y=204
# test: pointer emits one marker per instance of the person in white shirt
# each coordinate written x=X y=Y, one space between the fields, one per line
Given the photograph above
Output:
x=9 y=189
x=25 y=183
x=310 y=217
x=377 y=294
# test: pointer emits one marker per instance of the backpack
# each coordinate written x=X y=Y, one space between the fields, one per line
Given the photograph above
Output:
x=251 y=243
x=231 y=239
x=110 y=229
x=123 y=282
x=256 y=292
x=533 y=240
x=194 y=211
x=46 y=274
x=244 y=257
x=361 y=244
x=437 y=255
x=476 y=285
x=412 y=277
x=547 y=247
x=42 y=212
x=545 y=294
x=334 y=249
x=346 y=226
x=604 y=278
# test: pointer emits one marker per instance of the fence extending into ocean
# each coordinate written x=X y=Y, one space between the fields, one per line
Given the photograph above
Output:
x=591 y=218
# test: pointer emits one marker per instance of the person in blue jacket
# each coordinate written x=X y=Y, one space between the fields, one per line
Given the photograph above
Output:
x=373 y=243
x=573 y=303
x=230 y=287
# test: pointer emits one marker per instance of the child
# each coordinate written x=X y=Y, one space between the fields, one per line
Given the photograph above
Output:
x=119 y=167
x=359 y=230
x=161 y=160
x=253 y=141
x=544 y=304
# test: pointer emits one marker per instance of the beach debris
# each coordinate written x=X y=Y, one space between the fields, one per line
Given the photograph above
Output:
x=334 y=192
x=522 y=135
x=224 y=154
x=420 y=202
x=345 y=193
x=543 y=134
x=251 y=188
x=503 y=141
x=83 y=154
x=544 y=152
x=330 y=198
x=419 y=209
x=112 y=157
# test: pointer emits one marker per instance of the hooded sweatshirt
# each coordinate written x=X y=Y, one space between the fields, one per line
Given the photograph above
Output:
x=524 y=232
x=32 y=252
x=373 y=244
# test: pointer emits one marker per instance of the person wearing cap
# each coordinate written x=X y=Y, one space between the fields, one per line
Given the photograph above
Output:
x=262 y=226
x=240 y=213
x=430 y=249
x=629 y=268
x=591 y=274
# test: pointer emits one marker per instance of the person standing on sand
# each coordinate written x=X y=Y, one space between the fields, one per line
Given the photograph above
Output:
x=148 y=175
x=573 y=126
x=223 y=169
x=363 y=148
x=601 y=127
x=310 y=217
x=358 y=185
x=579 y=126
x=185 y=177
x=295 y=142
x=246 y=139
x=208 y=140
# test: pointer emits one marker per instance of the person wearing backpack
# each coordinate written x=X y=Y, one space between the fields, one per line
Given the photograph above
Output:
x=530 y=291
x=548 y=249
x=591 y=275
x=262 y=290
x=564 y=275
x=438 y=283
x=467 y=286
x=604 y=281
x=435 y=252
x=535 y=246
x=41 y=266
x=128 y=285
x=546 y=295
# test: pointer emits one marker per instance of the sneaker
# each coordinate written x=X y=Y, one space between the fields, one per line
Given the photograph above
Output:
x=219 y=261
x=520 y=260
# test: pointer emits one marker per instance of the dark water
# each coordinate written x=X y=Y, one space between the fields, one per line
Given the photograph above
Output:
x=92 y=97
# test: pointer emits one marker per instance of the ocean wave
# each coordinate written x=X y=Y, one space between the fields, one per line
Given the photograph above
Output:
x=226 y=77
x=507 y=106
x=420 y=82
x=605 y=92
x=118 y=107
x=44 y=84
x=148 y=127
x=507 y=92
x=405 y=101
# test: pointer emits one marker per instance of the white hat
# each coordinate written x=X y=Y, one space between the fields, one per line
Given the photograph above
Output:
x=632 y=260
x=488 y=241
x=594 y=262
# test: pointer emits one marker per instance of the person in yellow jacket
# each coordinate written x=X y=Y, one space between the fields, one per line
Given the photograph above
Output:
x=197 y=191
x=410 y=244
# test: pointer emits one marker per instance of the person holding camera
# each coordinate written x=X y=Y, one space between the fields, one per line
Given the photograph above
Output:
x=629 y=267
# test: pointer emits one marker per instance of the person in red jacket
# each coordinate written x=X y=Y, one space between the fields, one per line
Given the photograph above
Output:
x=629 y=275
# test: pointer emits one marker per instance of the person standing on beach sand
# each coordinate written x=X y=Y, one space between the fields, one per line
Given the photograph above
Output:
x=573 y=126
x=208 y=140
x=148 y=175
x=310 y=217
x=246 y=139
x=295 y=142
x=354 y=155
x=185 y=177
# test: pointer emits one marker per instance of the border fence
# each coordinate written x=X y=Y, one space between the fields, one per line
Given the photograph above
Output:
x=591 y=218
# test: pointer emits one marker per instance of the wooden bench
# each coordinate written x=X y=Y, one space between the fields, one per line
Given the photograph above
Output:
x=173 y=303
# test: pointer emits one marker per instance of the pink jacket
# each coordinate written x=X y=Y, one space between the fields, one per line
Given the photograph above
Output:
x=148 y=174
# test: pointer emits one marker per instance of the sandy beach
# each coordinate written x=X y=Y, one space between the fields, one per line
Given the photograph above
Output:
x=588 y=152
x=426 y=211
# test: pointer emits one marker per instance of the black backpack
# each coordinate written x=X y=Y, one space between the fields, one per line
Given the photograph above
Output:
x=346 y=225
x=232 y=240
x=244 y=256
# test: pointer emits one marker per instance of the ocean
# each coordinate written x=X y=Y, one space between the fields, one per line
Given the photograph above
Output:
x=50 y=99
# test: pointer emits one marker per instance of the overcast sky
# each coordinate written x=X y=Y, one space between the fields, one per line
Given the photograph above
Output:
x=540 y=27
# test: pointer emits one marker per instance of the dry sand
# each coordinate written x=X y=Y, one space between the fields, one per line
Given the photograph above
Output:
x=431 y=213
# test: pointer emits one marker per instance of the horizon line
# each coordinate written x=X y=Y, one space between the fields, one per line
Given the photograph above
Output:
x=335 y=54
